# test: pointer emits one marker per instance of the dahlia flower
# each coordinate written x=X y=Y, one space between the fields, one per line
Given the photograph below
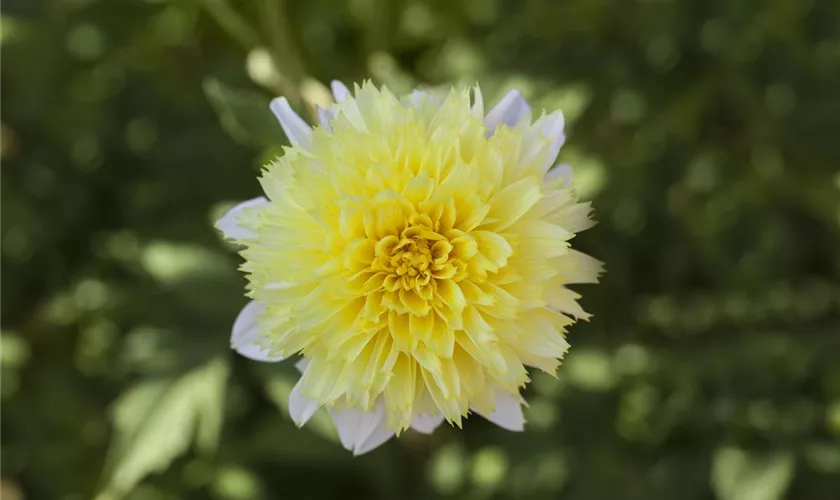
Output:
x=415 y=253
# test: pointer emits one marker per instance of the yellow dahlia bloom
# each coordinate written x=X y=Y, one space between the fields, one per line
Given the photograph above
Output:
x=415 y=252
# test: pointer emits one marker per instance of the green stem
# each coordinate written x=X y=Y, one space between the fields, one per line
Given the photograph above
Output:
x=284 y=50
x=232 y=23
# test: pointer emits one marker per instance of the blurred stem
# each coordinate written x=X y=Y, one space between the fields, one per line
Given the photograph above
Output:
x=283 y=49
x=232 y=23
x=383 y=18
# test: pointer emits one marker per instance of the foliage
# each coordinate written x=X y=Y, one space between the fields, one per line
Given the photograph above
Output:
x=705 y=132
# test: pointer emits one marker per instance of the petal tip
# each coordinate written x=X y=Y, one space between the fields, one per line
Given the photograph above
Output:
x=339 y=90
x=246 y=332
x=296 y=129
x=511 y=109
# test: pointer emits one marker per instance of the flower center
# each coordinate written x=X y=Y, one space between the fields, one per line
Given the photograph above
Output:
x=415 y=259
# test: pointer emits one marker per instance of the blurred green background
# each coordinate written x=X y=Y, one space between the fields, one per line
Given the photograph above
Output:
x=707 y=133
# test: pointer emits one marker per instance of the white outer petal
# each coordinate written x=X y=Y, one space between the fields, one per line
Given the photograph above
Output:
x=379 y=437
x=562 y=171
x=551 y=127
x=301 y=408
x=297 y=130
x=348 y=423
x=359 y=431
x=348 y=106
x=426 y=423
x=246 y=332
x=508 y=413
x=418 y=96
x=512 y=109
x=302 y=365
x=339 y=90
x=228 y=224
x=325 y=116
x=477 y=107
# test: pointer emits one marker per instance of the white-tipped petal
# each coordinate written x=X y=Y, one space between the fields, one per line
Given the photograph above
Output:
x=245 y=335
x=297 y=130
x=301 y=408
x=228 y=224
x=426 y=423
x=512 y=109
x=508 y=413
x=562 y=171
x=339 y=90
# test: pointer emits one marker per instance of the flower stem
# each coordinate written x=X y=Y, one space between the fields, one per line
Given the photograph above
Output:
x=232 y=23
x=284 y=51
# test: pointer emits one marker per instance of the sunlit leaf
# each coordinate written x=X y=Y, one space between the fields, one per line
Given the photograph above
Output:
x=169 y=262
x=155 y=422
x=447 y=468
x=14 y=350
x=209 y=400
x=738 y=475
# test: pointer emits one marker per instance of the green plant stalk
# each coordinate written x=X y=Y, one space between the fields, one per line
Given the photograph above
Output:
x=283 y=49
x=232 y=23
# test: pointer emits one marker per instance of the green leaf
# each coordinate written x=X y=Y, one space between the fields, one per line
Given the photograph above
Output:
x=155 y=422
x=132 y=409
x=14 y=350
x=210 y=400
x=738 y=475
x=170 y=262
x=244 y=114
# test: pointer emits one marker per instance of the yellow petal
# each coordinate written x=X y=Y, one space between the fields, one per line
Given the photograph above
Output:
x=511 y=203
x=493 y=246
x=450 y=293
x=413 y=303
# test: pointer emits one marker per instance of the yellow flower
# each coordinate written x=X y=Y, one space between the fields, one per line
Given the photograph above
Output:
x=416 y=253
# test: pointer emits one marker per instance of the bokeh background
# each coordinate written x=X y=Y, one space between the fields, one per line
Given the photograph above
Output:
x=706 y=132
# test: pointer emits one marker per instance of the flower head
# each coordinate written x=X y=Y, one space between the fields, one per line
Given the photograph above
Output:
x=416 y=253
